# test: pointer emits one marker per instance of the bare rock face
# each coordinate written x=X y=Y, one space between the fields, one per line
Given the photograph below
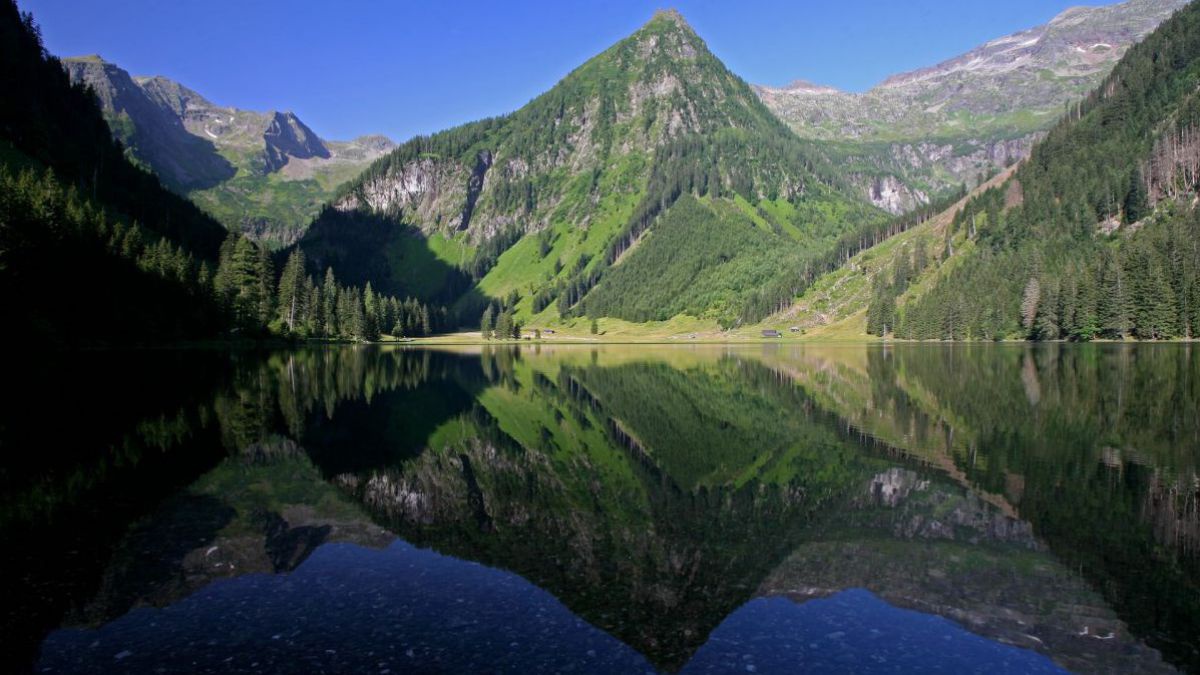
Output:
x=286 y=137
x=427 y=191
x=893 y=196
x=894 y=486
x=276 y=137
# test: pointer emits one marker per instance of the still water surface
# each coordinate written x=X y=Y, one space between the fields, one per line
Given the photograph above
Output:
x=604 y=509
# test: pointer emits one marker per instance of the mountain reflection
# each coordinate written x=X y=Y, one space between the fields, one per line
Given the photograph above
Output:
x=1043 y=498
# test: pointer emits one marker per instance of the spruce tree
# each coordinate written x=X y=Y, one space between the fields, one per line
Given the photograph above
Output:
x=1113 y=316
x=312 y=304
x=370 y=314
x=292 y=290
x=241 y=286
x=1136 y=206
x=1030 y=300
x=485 y=323
x=1156 y=312
x=264 y=279
x=329 y=298
x=504 y=326
x=1046 y=324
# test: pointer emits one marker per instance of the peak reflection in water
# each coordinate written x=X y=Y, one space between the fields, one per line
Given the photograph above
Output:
x=1043 y=498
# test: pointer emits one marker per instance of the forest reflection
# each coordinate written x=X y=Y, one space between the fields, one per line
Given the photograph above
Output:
x=652 y=490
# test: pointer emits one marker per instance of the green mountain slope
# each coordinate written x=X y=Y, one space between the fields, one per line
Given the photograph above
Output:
x=543 y=206
x=916 y=248
x=265 y=174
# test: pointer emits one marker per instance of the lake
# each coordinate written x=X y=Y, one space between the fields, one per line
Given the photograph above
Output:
x=753 y=508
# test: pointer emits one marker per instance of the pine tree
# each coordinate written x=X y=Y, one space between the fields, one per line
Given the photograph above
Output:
x=504 y=326
x=354 y=311
x=329 y=298
x=902 y=272
x=887 y=313
x=1113 y=316
x=486 y=322
x=1156 y=311
x=265 y=285
x=370 y=314
x=1046 y=323
x=292 y=290
x=920 y=257
x=881 y=312
x=312 y=304
x=387 y=313
x=1029 y=304
x=1193 y=316
x=1136 y=206
x=1086 y=325
x=242 y=283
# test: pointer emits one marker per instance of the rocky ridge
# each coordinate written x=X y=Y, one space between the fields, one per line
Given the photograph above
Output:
x=935 y=128
x=262 y=172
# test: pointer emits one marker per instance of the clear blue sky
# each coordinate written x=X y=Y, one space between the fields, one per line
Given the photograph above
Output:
x=403 y=67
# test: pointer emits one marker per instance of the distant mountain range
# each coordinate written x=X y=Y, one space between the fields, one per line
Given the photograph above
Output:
x=907 y=141
x=263 y=173
x=917 y=134
x=653 y=186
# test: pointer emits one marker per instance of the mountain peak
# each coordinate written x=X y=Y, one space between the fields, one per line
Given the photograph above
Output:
x=667 y=23
x=806 y=87
x=86 y=58
x=669 y=15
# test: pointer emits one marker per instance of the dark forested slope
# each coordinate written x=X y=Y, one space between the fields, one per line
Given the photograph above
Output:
x=92 y=248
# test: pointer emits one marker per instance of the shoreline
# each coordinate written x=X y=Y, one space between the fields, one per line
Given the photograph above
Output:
x=818 y=340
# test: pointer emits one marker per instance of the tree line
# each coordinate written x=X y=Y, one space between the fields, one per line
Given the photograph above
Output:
x=298 y=305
